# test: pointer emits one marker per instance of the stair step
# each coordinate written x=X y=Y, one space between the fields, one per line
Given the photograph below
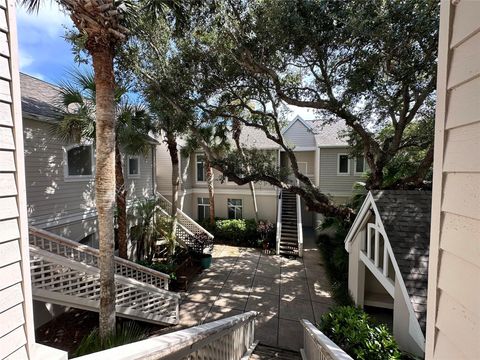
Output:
x=264 y=352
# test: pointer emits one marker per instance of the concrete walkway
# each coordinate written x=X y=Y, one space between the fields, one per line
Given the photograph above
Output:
x=283 y=290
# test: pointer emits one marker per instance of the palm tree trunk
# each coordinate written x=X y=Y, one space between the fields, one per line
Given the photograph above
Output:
x=211 y=190
x=173 y=150
x=105 y=182
x=121 y=200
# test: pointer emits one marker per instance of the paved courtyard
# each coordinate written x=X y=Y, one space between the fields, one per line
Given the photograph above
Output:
x=282 y=290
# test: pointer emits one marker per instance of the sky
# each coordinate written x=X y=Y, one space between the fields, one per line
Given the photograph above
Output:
x=45 y=54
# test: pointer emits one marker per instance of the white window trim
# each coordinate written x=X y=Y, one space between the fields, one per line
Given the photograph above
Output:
x=364 y=166
x=133 y=176
x=73 y=178
x=207 y=205
x=235 y=207
x=338 y=165
x=196 y=170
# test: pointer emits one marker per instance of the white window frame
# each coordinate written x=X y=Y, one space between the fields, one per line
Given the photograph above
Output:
x=133 y=176
x=355 y=166
x=72 y=178
x=235 y=207
x=203 y=205
x=196 y=170
x=338 y=165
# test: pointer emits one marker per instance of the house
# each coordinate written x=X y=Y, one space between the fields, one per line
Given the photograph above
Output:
x=453 y=319
x=60 y=175
x=388 y=246
x=322 y=154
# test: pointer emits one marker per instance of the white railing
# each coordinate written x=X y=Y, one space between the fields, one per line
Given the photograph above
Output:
x=279 y=222
x=87 y=255
x=183 y=219
x=299 y=226
x=226 y=339
x=317 y=346
x=68 y=282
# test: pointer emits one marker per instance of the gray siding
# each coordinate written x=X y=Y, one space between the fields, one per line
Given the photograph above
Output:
x=330 y=182
x=142 y=186
x=16 y=322
x=299 y=135
x=164 y=170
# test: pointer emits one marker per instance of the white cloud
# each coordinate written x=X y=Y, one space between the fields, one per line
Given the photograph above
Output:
x=49 y=20
x=25 y=59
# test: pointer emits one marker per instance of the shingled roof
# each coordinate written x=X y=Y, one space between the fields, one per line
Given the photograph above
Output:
x=406 y=218
x=329 y=134
x=38 y=98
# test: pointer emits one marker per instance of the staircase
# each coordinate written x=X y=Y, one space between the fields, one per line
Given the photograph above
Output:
x=289 y=225
x=67 y=273
x=188 y=230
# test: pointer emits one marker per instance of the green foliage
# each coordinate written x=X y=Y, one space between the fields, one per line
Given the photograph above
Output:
x=240 y=231
x=166 y=268
x=354 y=331
x=125 y=333
x=331 y=244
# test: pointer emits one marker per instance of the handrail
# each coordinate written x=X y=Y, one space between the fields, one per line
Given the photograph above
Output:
x=279 y=222
x=65 y=281
x=185 y=216
x=228 y=338
x=123 y=267
x=317 y=346
x=299 y=227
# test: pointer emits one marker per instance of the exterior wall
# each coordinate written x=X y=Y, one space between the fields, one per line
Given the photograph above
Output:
x=330 y=182
x=299 y=135
x=61 y=205
x=164 y=170
x=356 y=271
x=267 y=208
x=453 y=326
x=16 y=318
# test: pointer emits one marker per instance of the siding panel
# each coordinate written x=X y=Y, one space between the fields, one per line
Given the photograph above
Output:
x=10 y=275
x=10 y=296
x=12 y=342
x=7 y=162
x=465 y=202
x=11 y=319
x=5 y=114
x=299 y=135
x=461 y=143
x=464 y=104
x=466 y=20
x=465 y=64
x=330 y=182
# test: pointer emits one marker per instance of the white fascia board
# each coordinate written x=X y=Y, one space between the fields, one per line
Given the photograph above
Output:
x=358 y=220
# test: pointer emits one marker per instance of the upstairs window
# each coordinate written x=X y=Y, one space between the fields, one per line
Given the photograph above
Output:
x=201 y=171
x=235 y=208
x=360 y=165
x=343 y=166
x=203 y=208
x=79 y=162
x=133 y=167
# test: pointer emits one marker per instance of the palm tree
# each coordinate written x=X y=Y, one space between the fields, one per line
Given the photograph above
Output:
x=100 y=24
x=77 y=98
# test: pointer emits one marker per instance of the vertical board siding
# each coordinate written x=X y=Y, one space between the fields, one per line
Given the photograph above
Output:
x=454 y=316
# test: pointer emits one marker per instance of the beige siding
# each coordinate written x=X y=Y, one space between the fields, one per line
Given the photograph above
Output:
x=299 y=135
x=141 y=186
x=164 y=170
x=330 y=181
x=16 y=319
x=453 y=323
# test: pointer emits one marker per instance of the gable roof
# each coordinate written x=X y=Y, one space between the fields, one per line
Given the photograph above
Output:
x=406 y=218
x=38 y=98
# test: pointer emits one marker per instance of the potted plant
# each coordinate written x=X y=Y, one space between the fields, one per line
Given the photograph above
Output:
x=202 y=247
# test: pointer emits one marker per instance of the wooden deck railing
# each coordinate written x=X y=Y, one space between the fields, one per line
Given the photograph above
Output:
x=66 y=281
x=317 y=346
x=87 y=255
x=226 y=339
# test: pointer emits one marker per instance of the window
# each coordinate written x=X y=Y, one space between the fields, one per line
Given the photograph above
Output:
x=343 y=167
x=234 y=208
x=201 y=171
x=133 y=166
x=79 y=162
x=203 y=208
x=360 y=165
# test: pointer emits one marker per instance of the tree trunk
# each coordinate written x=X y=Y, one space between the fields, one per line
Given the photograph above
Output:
x=254 y=198
x=121 y=200
x=184 y=179
x=211 y=190
x=105 y=182
x=173 y=150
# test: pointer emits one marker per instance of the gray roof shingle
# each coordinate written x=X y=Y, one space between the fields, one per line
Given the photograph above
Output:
x=39 y=97
x=329 y=133
x=406 y=217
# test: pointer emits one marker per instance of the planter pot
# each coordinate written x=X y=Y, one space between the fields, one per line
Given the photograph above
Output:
x=206 y=261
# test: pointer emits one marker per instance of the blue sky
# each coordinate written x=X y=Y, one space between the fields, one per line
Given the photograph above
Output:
x=45 y=54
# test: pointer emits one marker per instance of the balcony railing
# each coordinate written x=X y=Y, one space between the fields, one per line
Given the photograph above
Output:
x=317 y=346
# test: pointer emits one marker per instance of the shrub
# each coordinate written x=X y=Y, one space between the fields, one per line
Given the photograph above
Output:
x=238 y=232
x=166 y=268
x=126 y=333
x=353 y=330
